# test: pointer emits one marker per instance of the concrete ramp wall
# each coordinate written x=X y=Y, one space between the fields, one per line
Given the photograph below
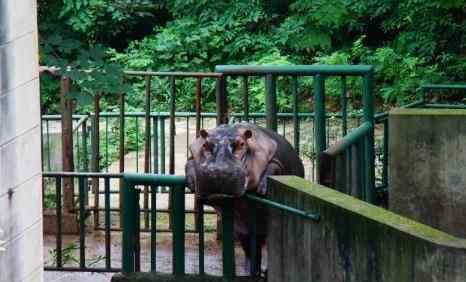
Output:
x=354 y=241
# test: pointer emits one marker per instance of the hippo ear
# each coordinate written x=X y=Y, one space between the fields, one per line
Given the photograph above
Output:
x=203 y=133
x=247 y=134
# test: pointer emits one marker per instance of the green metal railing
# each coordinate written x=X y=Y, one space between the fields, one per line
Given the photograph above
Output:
x=131 y=224
x=64 y=257
x=344 y=166
x=319 y=73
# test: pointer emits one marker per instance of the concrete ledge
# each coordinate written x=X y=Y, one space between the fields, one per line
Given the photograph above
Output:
x=159 y=277
x=354 y=240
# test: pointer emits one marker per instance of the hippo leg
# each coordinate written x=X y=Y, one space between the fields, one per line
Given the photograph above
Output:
x=245 y=241
x=272 y=169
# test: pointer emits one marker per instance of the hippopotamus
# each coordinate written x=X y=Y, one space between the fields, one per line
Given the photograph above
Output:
x=229 y=160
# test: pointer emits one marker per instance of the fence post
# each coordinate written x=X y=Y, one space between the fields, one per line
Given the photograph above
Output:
x=228 y=247
x=67 y=143
x=95 y=164
x=368 y=101
x=222 y=102
x=271 y=102
x=319 y=120
x=178 y=212
x=129 y=220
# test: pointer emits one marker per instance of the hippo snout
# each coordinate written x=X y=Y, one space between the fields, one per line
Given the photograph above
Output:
x=221 y=179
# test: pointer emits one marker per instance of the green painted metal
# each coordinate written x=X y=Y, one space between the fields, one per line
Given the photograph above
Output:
x=108 y=223
x=445 y=106
x=354 y=136
x=130 y=218
x=271 y=204
x=319 y=120
x=178 y=213
x=228 y=243
x=369 y=159
x=271 y=102
x=245 y=89
x=344 y=106
x=153 y=227
x=221 y=100
x=296 y=128
x=58 y=202
x=82 y=224
x=443 y=87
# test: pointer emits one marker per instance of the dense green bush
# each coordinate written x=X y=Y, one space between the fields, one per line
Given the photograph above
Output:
x=409 y=43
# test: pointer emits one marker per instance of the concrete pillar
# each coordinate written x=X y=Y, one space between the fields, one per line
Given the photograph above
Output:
x=427 y=167
x=20 y=160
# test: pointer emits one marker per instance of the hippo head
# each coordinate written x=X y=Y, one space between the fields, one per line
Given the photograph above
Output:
x=216 y=169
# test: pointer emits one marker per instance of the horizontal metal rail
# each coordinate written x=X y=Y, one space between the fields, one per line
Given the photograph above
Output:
x=275 y=205
x=174 y=74
x=301 y=70
x=442 y=87
x=350 y=139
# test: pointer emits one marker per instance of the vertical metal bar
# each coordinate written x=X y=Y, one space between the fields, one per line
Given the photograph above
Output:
x=95 y=166
x=171 y=161
x=200 y=230
x=82 y=225
x=108 y=254
x=228 y=248
x=162 y=145
x=245 y=98
x=107 y=164
x=222 y=102
x=271 y=102
x=78 y=152
x=121 y=152
x=156 y=144
x=84 y=145
x=171 y=157
x=147 y=148
x=385 y=153
x=178 y=212
x=153 y=228
x=137 y=235
x=129 y=217
x=368 y=101
x=58 y=202
x=295 y=114
x=137 y=143
x=48 y=145
x=198 y=105
x=344 y=107
x=319 y=119
x=187 y=135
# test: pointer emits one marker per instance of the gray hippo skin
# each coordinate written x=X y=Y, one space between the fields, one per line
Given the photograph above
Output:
x=229 y=160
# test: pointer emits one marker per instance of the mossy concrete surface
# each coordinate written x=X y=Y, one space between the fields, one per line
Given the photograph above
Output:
x=159 y=277
x=427 y=167
x=354 y=240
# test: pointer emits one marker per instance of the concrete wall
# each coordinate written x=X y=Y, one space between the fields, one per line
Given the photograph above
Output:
x=427 y=167
x=354 y=241
x=20 y=165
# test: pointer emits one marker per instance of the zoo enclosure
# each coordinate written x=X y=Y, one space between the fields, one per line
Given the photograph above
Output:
x=94 y=131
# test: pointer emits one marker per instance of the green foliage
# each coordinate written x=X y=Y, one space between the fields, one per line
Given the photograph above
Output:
x=409 y=43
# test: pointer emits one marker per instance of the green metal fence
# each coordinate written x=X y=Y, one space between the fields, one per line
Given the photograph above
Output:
x=131 y=227
x=319 y=73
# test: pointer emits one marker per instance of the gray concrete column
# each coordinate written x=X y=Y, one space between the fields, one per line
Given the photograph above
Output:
x=427 y=167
